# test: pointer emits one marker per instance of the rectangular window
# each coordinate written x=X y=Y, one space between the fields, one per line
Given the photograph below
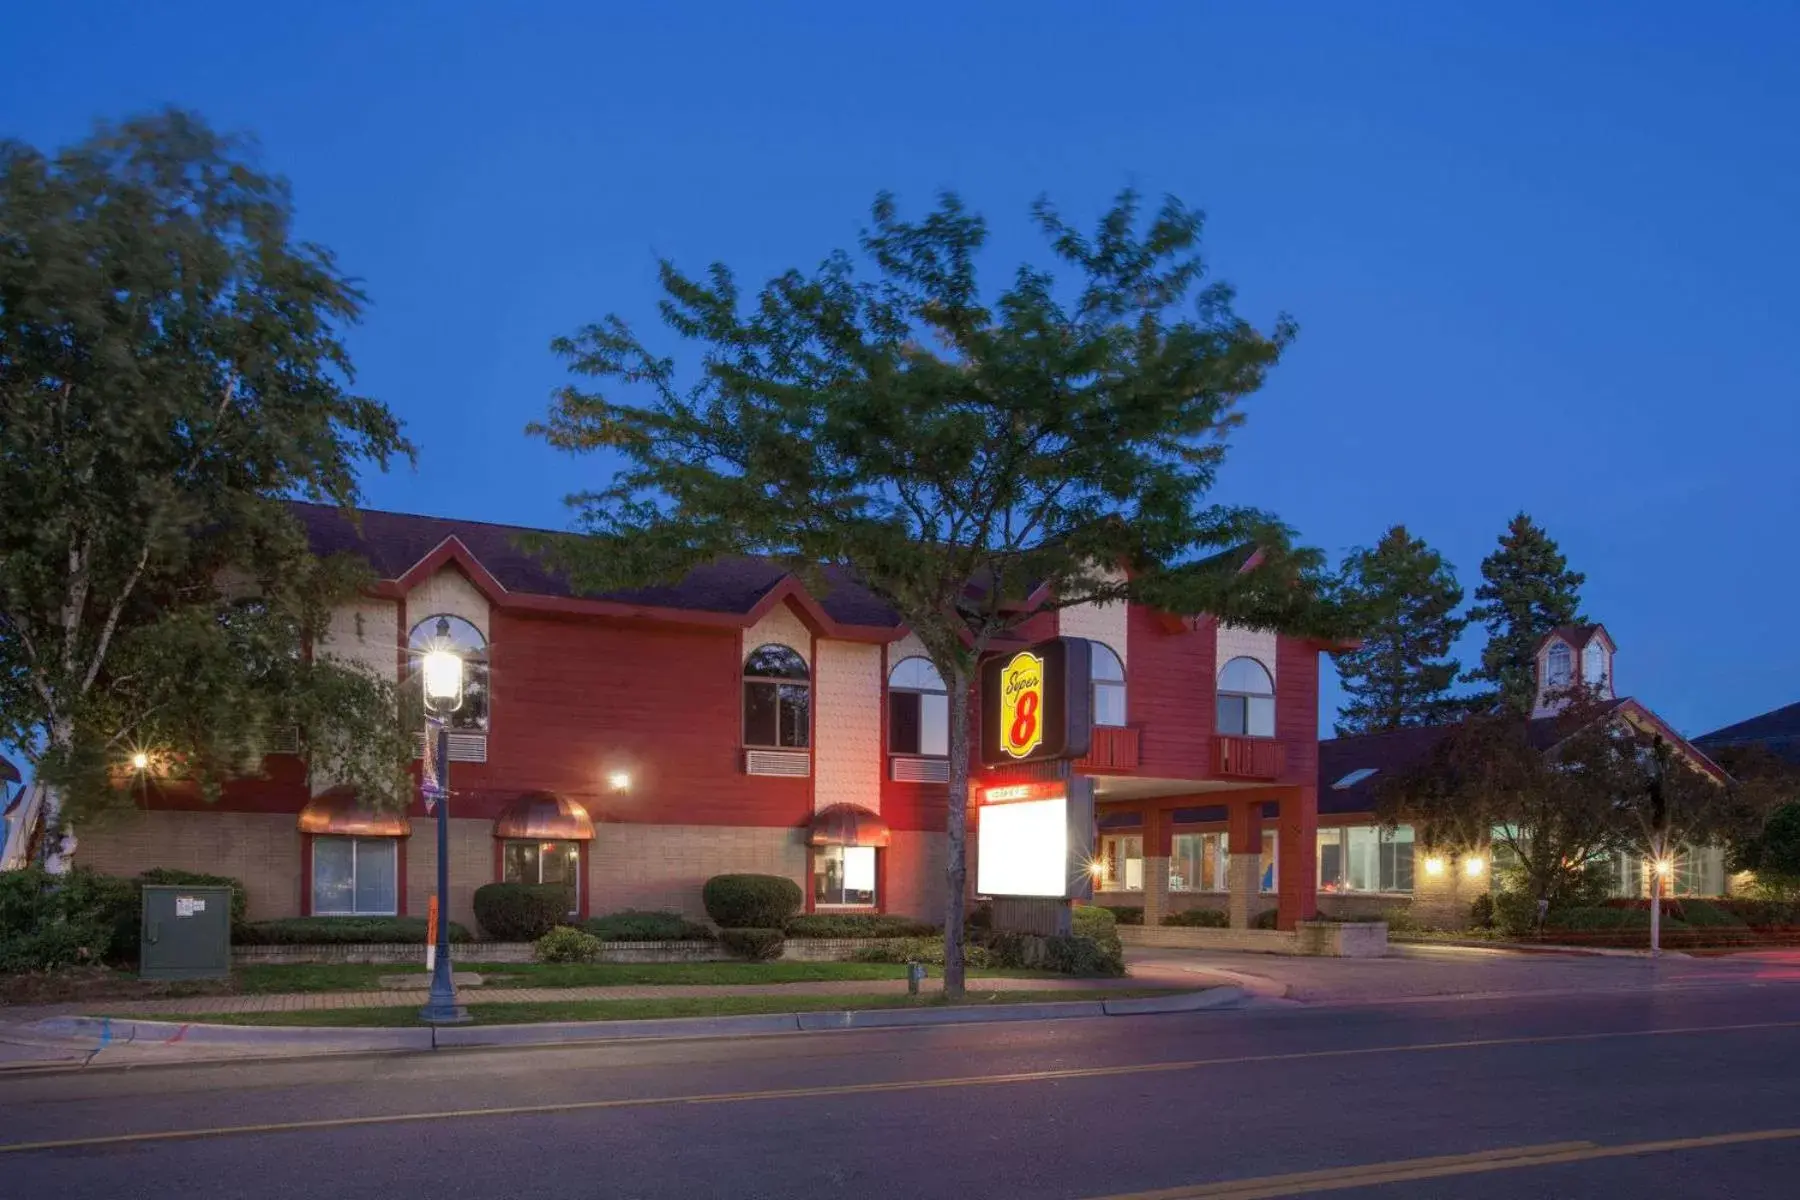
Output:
x=544 y=862
x=777 y=716
x=1121 y=863
x=1366 y=858
x=1247 y=716
x=355 y=877
x=844 y=875
x=1109 y=704
x=1197 y=863
x=919 y=723
x=903 y=722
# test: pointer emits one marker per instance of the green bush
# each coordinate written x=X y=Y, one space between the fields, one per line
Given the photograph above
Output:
x=1516 y=914
x=176 y=877
x=1127 y=914
x=929 y=950
x=340 y=931
x=567 y=945
x=1268 y=918
x=981 y=916
x=755 y=945
x=1199 y=918
x=1481 y=911
x=1698 y=913
x=1091 y=921
x=1763 y=914
x=1072 y=955
x=857 y=925
x=1401 y=920
x=633 y=925
x=50 y=921
x=521 y=912
x=1590 y=920
x=751 y=901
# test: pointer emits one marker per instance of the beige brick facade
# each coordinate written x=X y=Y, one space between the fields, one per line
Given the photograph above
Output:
x=664 y=866
x=915 y=874
x=1098 y=622
x=783 y=626
x=847 y=757
x=366 y=635
x=448 y=593
x=471 y=865
x=261 y=849
x=1237 y=642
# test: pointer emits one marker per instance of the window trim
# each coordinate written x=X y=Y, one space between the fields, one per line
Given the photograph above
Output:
x=911 y=690
x=746 y=680
x=1222 y=694
x=581 y=865
x=395 y=847
x=1558 y=649
x=1095 y=683
x=482 y=658
x=814 y=904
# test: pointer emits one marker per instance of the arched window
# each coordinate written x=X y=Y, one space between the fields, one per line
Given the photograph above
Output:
x=918 y=709
x=777 y=699
x=1246 y=699
x=1109 y=686
x=460 y=635
x=1593 y=663
x=1557 y=666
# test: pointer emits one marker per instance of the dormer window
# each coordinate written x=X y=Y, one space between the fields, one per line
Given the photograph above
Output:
x=1558 y=667
x=456 y=633
x=1593 y=664
x=1246 y=699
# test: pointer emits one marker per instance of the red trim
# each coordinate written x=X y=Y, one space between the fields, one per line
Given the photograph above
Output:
x=400 y=876
x=306 y=864
x=881 y=873
x=584 y=885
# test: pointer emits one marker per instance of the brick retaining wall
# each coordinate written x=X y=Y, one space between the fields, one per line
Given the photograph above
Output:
x=795 y=950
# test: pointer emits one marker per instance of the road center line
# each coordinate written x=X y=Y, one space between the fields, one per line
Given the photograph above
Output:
x=1411 y=1170
x=857 y=1089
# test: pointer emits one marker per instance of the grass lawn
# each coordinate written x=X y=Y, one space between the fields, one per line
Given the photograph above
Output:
x=631 y=1010
x=266 y=978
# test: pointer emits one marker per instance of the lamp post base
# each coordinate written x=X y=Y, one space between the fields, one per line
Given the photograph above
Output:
x=454 y=1014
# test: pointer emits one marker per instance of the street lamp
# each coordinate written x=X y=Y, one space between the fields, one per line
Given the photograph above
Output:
x=140 y=761
x=442 y=678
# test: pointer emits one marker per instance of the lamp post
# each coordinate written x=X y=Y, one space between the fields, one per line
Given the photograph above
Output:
x=442 y=671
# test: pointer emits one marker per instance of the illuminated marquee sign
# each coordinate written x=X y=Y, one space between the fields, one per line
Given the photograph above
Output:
x=1036 y=703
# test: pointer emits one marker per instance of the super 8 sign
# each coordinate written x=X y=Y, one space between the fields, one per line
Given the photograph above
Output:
x=1036 y=703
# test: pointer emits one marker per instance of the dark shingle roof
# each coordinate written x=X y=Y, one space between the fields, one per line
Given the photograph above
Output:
x=1777 y=730
x=393 y=542
x=1577 y=636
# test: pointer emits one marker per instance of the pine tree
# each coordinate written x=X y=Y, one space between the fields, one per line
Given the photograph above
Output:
x=1528 y=591
x=1405 y=597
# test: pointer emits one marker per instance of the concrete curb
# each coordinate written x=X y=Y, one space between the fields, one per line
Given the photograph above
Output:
x=1533 y=948
x=97 y=1034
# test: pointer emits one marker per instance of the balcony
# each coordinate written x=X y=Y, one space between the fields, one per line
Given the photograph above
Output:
x=1113 y=748
x=1251 y=757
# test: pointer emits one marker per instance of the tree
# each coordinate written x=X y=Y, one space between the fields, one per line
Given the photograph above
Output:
x=972 y=464
x=170 y=369
x=1771 y=851
x=1405 y=597
x=1527 y=591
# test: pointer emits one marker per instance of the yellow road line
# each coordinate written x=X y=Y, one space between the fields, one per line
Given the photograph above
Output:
x=857 y=1089
x=1412 y=1170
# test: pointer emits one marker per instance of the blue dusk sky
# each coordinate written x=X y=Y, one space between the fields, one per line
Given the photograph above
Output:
x=1542 y=255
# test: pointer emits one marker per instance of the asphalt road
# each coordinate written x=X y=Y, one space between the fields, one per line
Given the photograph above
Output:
x=1673 y=1093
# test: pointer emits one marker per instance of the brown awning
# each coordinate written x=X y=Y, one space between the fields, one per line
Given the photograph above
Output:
x=544 y=816
x=338 y=811
x=847 y=825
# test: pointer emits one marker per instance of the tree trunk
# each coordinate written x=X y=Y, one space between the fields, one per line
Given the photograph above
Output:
x=59 y=841
x=956 y=831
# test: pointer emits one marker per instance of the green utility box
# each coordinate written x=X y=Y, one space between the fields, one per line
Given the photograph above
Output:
x=186 y=933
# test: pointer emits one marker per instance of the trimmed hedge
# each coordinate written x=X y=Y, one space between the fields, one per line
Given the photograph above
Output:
x=1266 y=919
x=634 y=925
x=565 y=944
x=929 y=950
x=240 y=901
x=1199 y=918
x=857 y=925
x=338 y=931
x=1127 y=914
x=753 y=945
x=521 y=912
x=751 y=901
x=49 y=921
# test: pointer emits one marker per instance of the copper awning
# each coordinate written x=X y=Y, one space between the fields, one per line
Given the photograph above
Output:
x=338 y=811
x=847 y=825
x=544 y=816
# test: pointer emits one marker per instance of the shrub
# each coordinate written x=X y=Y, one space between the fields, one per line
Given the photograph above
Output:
x=1401 y=920
x=567 y=945
x=857 y=925
x=1516 y=914
x=922 y=950
x=338 y=931
x=1127 y=914
x=1266 y=919
x=1481 y=911
x=755 y=945
x=1199 y=918
x=521 y=912
x=980 y=916
x=751 y=901
x=50 y=921
x=175 y=876
x=1091 y=921
x=1588 y=920
x=1071 y=955
x=633 y=925
x=1764 y=914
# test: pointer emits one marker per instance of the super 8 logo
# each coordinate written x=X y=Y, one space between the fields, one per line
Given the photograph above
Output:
x=1022 y=704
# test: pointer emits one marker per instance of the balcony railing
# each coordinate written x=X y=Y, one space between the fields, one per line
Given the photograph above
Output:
x=1113 y=748
x=1251 y=757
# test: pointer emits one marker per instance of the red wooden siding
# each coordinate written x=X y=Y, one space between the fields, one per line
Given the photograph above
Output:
x=1169 y=695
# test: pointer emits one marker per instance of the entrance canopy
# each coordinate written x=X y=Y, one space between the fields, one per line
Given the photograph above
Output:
x=848 y=825
x=339 y=811
x=544 y=816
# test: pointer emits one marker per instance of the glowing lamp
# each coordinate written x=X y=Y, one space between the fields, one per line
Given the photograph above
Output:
x=1473 y=867
x=1097 y=869
x=1664 y=867
x=140 y=761
x=442 y=668
x=619 y=781
x=1434 y=866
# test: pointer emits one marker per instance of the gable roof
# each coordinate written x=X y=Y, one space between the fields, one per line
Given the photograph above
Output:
x=1577 y=636
x=395 y=544
x=1777 y=730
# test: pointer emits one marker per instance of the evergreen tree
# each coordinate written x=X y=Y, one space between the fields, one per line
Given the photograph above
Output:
x=1405 y=597
x=1527 y=591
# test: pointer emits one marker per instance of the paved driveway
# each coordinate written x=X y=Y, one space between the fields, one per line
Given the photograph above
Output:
x=1419 y=973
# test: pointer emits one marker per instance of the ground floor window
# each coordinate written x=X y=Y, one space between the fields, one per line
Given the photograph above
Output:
x=545 y=862
x=1366 y=858
x=1121 y=863
x=843 y=875
x=1699 y=871
x=1197 y=863
x=355 y=877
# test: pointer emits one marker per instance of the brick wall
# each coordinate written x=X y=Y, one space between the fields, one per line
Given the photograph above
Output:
x=261 y=849
x=915 y=875
x=1237 y=642
x=449 y=593
x=847 y=687
x=664 y=866
x=471 y=865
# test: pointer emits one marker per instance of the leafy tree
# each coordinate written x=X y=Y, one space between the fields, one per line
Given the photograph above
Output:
x=170 y=369
x=1773 y=850
x=974 y=463
x=1404 y=596
x=1527 y=591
